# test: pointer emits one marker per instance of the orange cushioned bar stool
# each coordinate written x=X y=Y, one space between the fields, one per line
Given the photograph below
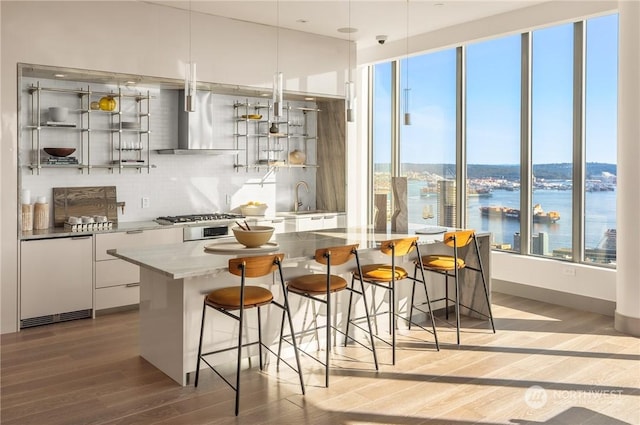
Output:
x=450 y=266
x=319 y=288
x=385 y=276
x=240 y=298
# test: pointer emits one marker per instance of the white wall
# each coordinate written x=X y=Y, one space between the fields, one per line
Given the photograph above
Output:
x=139 y=38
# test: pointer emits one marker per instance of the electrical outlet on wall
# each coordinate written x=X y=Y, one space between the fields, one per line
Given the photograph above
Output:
x=145 y=202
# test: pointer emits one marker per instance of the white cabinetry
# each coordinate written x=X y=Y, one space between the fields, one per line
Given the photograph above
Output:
x=278 y=224
x=316 y=222
x=117 y=281
x=55 y=280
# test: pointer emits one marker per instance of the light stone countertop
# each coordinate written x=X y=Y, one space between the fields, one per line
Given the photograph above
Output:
x=189 y=259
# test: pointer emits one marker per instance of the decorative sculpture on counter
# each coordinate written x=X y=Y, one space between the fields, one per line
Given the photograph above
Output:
x=380 y=217
x=400 y=217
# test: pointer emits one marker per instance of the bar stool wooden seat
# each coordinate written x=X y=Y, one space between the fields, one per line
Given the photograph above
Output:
x=240 y=298
x=450 y=266
x=319 y=287
x=385 y=276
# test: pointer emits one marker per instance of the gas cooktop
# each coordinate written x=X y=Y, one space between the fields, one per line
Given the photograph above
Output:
x=198 y=218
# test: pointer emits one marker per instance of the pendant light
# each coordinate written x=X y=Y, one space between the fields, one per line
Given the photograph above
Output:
x=190 y=77
x=349 y=86
x=277 y=77
x=407 y=90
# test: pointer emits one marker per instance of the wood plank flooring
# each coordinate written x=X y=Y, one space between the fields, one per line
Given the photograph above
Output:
x=545 y=365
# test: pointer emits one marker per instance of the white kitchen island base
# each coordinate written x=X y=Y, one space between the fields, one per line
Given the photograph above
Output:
x=175 y=278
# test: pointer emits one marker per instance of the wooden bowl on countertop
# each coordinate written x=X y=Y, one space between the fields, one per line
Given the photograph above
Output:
x=254 y=238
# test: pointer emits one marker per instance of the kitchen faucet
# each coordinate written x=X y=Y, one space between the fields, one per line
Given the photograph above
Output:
x=297 y=204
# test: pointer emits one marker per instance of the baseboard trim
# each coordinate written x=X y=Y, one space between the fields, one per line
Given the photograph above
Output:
x=627 y=325
x=579 y=302
x=119 y=309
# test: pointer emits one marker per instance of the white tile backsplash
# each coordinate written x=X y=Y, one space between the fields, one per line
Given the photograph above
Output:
x=179 y=184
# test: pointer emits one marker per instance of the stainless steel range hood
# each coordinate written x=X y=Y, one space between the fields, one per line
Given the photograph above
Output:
x=195 y=129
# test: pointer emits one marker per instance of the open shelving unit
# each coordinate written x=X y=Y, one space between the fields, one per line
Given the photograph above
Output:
x=126 y=131
x=269 y=151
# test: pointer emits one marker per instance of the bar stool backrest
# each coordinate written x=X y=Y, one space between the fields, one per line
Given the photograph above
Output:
x=255 y=266
x=338 y=254
x=398 y=247
x=459 y=238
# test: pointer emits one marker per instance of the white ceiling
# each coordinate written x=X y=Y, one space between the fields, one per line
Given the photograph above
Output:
x=371 y=18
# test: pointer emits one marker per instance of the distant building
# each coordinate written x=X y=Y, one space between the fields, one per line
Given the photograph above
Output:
x=539 y=243
x=447 y=203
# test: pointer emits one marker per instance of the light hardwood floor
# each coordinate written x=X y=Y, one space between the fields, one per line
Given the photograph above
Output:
x=545 y=365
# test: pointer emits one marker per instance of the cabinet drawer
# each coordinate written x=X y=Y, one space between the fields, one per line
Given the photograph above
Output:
x=330 y=222
x=276 y=223
x=135 y=239
x=117 y=296
x=116 y=272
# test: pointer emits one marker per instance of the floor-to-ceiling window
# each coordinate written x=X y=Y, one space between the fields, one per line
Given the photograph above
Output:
x=428 y=142
x=566 y=136
x=552 y=141
x=601 y=135
x=493 y=139
x=382 y=117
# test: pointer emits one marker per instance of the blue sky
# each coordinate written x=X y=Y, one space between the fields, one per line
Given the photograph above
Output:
x=493 y=100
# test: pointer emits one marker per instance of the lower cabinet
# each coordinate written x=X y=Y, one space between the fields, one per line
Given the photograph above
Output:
x=316 y=222
x=117 y=281
x=55 y=280
x=278 y=224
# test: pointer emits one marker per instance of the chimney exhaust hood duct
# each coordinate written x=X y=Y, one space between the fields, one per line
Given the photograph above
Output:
x=195 y=129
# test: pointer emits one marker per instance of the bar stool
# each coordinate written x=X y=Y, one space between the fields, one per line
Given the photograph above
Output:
x=385 y=276
x=240 y=298
x=319 y=287
x=450 y=266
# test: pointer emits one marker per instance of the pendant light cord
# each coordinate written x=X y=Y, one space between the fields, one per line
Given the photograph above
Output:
x=349 y=45
x=277 y=36
x=407 y=47
x=189 y=31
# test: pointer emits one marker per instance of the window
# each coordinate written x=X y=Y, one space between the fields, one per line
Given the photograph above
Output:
x=552 y=141
x=601 y=136
x=564 y=209
x=382 y=135
x=428 y=145
x=493 y=139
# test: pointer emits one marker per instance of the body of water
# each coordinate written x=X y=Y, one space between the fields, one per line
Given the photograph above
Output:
x=600 y=214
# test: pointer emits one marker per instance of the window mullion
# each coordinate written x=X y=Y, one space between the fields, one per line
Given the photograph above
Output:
x=525 y=144
x=578 y=177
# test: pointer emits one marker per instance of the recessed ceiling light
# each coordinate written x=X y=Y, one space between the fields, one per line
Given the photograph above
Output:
x=439 y=4
x=347 y=30
x=130 y=83
x=309 y=98
x=265 y=94
x=302 y=21
x=59 y=75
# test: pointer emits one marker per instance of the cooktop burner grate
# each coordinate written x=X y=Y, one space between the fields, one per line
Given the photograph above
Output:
x=196 y=218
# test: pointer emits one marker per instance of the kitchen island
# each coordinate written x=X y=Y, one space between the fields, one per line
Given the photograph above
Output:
x=174 y=279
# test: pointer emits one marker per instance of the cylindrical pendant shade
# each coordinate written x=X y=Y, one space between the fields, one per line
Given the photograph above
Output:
x=190 y=87
x=407 y=113
x=350 y=98
x=277 y=94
